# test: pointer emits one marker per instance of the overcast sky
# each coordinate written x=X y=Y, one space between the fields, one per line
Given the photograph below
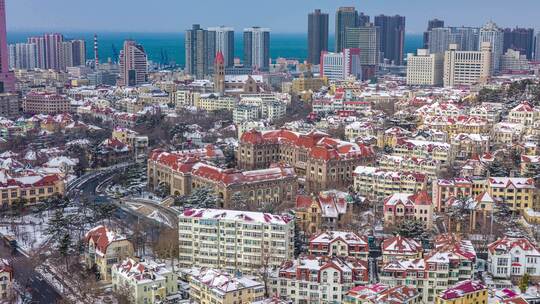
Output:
x=279 y=15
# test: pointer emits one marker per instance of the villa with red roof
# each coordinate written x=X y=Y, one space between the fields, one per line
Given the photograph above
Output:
x=398 y=247
x=524 y=114
x=104 y=248
x=512 y=257
x=329 y=210
x=467 y=291
x=380 y=293
x=405 y=206
x=324 y=162
x=6 y=279
x=324 y=279
x=339 y=243
x=148 y=282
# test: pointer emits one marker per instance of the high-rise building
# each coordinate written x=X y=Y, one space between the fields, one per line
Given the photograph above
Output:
x=339 y=66
x=7 y=78
x=23 y=56
x=537 y=47
x=221 y=39
x=317 y=35
x=257 y=48
x=133 y=64
x=467 y=67
x=368 y=40
x=494 y=35
x=53 y=51
x=519 y=39
x=363 y=20
x=433 y=23
x=39 y=41
x=197 y=54
x=79 y=52
x=345 y=17
x=439 y=39
x=66 y=55
x=392 y=37
x=425 y=68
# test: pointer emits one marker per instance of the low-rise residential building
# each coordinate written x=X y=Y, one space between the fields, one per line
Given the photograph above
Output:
x=212 y=102
x=517 y=192
x=465 y=292
x=234 y=240
x=405 y=206
x=530 y=164
x=398 y=248
x=379 y=183
x=331 y=209
x=310 y=279
x=104 y=248
x=524 y=114
x=31 y=188
x=466 y=145
x=451 y=261
x=6 y=280
x=381 y=293
x=147 y=282
x=512 y=257
x=443 y=189
x=109 y=152
x=137 y=143
x=339 y=243
x=439 y=151
x=429 y=167
x=211 y=286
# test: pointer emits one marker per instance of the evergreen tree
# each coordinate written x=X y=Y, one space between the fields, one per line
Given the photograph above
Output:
x=57 y=225
x=64 y=247
x=497 y=169
x=412 y=229
x=203 y=198
x=239 y=202
x=524 y=282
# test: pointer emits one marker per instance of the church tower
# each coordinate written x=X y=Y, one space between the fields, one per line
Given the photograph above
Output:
x=219 y=74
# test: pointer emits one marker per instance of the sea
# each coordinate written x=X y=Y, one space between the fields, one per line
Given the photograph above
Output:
x=169 y=47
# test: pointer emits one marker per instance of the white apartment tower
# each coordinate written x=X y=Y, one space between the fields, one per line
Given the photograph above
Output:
x=339 y=66
x=495 y=36
x=467 y=67
x=23 y=56
x=425 y=68
x=234 y=240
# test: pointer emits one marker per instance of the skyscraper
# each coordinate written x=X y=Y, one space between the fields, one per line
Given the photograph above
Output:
x=368 y=40
x=537 y=47
x=317 y=35
x=494 y=35
x=197 y=54
x=257 y=48
x=79 y=52
x=467 y=67
x=519 y=39
x=392 y=37
x=363 y=20
x=39 y=41
x=53 y=51
x=7 y=78
x=345 y=17
x=221 y=39
x=433 y=23
x=133 y=64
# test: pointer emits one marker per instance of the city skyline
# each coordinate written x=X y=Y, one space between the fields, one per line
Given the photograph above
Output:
x=62 y=15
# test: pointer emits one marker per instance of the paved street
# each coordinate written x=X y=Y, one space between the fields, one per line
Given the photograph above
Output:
x=42 y=291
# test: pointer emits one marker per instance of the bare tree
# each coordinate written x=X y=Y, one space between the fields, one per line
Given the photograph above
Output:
x=166 y=246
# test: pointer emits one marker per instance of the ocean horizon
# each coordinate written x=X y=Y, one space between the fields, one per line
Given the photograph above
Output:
x=171 y=45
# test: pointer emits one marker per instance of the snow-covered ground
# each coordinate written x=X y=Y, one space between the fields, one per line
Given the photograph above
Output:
x=29 y=230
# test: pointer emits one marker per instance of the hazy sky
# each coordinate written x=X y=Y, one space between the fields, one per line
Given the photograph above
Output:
x=279 y=15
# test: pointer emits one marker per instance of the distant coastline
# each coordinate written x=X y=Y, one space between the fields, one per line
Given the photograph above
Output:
x=171 y=45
